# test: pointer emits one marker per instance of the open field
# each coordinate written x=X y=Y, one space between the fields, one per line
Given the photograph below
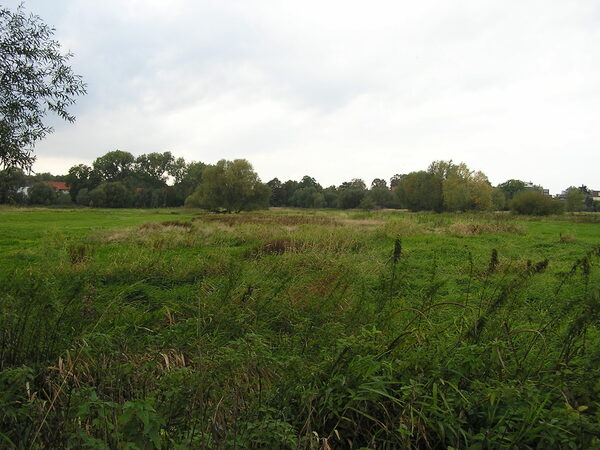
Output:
x=298 y=329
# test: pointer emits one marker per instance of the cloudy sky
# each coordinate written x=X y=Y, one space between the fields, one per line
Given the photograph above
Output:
x=336 y=89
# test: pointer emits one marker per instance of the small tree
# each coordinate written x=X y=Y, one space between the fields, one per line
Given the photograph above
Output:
x=11 y=182
x=232 y=186
x=533 y=202
x=34 y=79
x=575 y=199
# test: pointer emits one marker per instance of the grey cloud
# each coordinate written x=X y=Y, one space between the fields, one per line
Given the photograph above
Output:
x=337 y=89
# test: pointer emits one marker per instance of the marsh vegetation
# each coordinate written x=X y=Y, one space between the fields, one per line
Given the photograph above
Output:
x=298 y=329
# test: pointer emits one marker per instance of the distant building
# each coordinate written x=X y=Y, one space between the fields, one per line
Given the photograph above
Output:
x=59 y=186
x=532 y=186
x=591 y=193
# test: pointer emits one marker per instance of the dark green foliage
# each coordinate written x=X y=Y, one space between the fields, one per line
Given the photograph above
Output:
x=277 y=194
x=34 y=79
x=420 y=191
x=351 y=193
x=511 y=188
x=308 y=197
x=532 y=201
x=575 y=199
x=151 y=197
x=41 y=194
x=81 y=177
x=330 y=195
x=232 y=186
x=111 y=195
x=63 y=199
x=12 y=180
x=152 y=169
x=83 y=197
x=114 y=166
x=380 y=195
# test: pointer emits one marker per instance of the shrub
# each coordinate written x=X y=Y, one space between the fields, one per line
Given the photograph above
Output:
x=64 y=199
x=535 y=203
x=111 y=195
x=41 y=194
x=83 y=197
x=232 y=186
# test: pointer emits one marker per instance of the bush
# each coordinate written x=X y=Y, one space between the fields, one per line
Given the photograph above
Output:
x=63 y=199
x=111 y=195
x=535 y=203
x=41 y=194
x=232 y=186
x=83 y=197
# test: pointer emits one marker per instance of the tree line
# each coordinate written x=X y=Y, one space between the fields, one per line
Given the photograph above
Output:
x=36 y=79
x=120 y=180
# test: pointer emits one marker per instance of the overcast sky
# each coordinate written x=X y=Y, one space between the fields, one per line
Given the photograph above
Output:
x=336 y=89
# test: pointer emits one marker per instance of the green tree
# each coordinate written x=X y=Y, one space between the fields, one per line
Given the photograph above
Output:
x=187 y=178
x=11 y=182
x=79 y=177
x=287 y=191
x=351 y=193
x=575 y=199
x=45 y=176
x=114 y=166
x=308 y=181
x=462 y=188
x=395 y=181
x=83 y=197
x=232 y=186
x=420 y=191
x=510 y=188
x=277 y=192
x=379 y=194
x=41 y=194
x=308 y=197
x=152 y=169
x=498 y=200
x=455 y=190
x=111 y=194
x=330 y=195
x=34 y=79
x=534 y=202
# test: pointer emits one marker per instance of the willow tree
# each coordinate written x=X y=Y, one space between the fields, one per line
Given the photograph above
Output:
x=230 y=186
x=34 y=79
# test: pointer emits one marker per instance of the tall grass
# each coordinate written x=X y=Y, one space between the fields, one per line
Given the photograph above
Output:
x=305 y=331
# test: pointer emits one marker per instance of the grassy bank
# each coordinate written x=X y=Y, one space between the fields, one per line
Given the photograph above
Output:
x=288 y=328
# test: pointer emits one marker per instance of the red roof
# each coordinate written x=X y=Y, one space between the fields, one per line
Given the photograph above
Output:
x=58 y=185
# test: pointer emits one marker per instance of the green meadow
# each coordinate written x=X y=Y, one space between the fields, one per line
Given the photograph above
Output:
x=298 y=329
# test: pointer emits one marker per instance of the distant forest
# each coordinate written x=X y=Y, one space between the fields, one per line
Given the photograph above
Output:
x=120 y=180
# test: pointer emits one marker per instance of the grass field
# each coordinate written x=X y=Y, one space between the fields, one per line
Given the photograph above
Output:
x=298 y=329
